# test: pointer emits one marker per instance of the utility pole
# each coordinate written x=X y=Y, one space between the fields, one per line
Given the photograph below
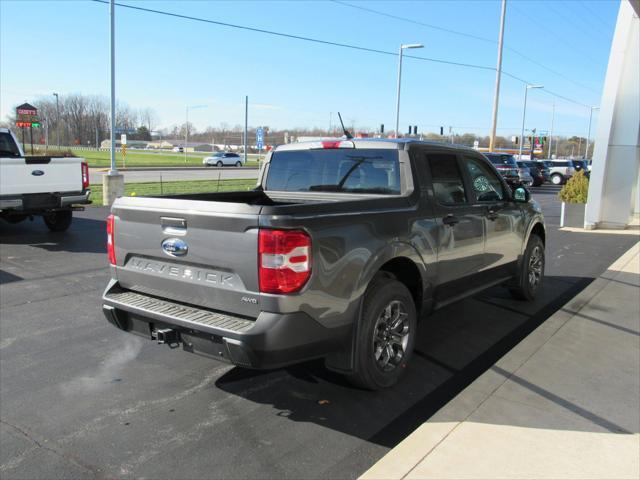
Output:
x=553 y=116
x=246 y=126
x=496 y=94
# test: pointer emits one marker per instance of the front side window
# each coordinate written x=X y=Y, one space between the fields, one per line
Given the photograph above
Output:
x=486 y=184
x=448 y=186
x=348 y=170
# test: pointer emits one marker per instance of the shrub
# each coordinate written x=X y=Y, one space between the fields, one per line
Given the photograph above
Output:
x=576 y=189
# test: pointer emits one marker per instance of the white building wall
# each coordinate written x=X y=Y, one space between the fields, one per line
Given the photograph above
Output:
x=613 y=189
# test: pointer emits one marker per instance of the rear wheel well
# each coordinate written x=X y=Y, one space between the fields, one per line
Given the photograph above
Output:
x=407 y=273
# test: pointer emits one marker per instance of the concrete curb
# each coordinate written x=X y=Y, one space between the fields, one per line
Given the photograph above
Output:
x=408 y=454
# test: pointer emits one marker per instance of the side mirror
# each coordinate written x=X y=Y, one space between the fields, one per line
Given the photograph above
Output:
x=521 y=195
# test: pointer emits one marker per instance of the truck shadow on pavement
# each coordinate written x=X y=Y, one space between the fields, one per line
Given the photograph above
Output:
x=85 y=235
x=454 y=346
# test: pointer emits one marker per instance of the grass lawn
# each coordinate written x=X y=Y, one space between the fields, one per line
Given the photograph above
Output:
x=195 y=186
x=138 y=158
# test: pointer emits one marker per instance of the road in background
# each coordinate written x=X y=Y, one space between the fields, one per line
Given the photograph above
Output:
x=176 y=174
x=81 y=399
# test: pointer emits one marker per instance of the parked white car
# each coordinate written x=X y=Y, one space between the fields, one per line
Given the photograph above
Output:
x=221 y=159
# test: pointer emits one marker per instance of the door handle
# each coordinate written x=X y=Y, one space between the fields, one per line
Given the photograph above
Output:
x=492 y=212
x=450 y=220
x=173 y=226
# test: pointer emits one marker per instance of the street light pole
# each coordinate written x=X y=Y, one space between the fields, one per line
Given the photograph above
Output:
x=246 y=126
x=114 y=168
x=186 y=128
x=402 y=47
x=586 y=152
x=496 y=94
x=186 y=134
x=553 y=116
x=524 y=113
x=57 y=120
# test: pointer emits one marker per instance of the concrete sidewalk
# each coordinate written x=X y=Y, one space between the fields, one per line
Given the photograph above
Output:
x=564 y=403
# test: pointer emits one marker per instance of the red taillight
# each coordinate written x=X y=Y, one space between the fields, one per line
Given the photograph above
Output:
x=85 y=175
x=331 y=144
x=111 y=246
x=284 y=260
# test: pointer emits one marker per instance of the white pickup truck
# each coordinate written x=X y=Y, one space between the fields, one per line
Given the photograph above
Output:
x=40 y=185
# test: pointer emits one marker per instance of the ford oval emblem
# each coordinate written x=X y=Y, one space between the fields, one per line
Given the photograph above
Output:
x=37 y=173
x=175 y=247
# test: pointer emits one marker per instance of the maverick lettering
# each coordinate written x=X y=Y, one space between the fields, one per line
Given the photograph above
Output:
x=189 y=273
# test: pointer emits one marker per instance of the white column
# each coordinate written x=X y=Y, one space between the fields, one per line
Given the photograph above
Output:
x=616 y=157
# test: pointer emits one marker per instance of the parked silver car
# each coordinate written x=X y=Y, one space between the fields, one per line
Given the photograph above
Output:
x=221 y=159
x=525 y=176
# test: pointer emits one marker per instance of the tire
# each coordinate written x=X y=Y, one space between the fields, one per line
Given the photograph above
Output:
x=556 y=179
x=531 y=273
x=386 y=301
x=219 y=164
x=238 y=163
x=58 y=221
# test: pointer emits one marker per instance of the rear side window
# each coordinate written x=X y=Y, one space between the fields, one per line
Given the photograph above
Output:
x=346 y=170
x=448 y=186
x=7 y=146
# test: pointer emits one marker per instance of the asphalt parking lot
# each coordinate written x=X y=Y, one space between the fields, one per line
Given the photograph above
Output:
x=81 y=399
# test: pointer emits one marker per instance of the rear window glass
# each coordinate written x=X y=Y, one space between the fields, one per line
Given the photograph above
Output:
x=335 y=170
x=7 y=146
x=497 y=159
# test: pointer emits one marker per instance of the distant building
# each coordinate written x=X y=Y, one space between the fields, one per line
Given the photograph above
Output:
x=130 y=143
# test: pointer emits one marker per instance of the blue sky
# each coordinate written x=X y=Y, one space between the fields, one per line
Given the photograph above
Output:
x=167 y=63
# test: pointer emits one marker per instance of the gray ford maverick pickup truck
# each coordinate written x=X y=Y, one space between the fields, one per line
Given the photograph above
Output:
x=336 y=254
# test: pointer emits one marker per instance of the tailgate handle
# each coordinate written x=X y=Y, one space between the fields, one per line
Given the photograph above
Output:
x=173 y=226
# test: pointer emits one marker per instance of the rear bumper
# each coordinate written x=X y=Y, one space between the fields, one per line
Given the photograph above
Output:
x=272 y=340
x=33 y=203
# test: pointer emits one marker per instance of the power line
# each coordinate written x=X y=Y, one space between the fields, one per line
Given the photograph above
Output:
x=568 y=44
x=326 y=42
x=296 y=37
x=396 y=17
x=463 y=34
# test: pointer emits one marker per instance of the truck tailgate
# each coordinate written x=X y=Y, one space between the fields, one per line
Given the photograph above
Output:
x=40 y=175
x=201 y=253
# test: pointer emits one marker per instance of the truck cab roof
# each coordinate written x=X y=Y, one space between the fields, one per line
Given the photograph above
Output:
x=382 y=143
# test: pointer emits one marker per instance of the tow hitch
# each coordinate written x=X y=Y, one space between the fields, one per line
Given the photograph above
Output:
x=166 y=335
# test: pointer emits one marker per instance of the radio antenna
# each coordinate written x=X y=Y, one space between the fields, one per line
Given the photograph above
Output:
x=346 y=132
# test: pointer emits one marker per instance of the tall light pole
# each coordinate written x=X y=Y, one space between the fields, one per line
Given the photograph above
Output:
x=524 y=113
x=553 y=116
x=496 y=94
x=57 y=119
x=246 y=127
x=114 y=168
x=186 y=128
x=402 y=48
x=586 y=152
